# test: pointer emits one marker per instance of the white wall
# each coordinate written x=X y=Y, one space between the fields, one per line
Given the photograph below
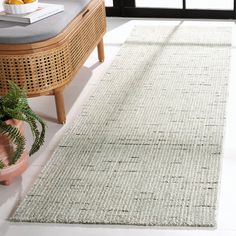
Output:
x=1 y=1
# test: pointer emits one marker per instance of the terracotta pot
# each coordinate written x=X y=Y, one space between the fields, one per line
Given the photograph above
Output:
x=8 y=173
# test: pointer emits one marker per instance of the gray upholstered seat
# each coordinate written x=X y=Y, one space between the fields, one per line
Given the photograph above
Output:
x=18 y=33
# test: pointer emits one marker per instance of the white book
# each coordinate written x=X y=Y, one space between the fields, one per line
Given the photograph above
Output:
x=44 y=10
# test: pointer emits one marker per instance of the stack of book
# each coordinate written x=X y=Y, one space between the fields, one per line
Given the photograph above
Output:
x=44 y=10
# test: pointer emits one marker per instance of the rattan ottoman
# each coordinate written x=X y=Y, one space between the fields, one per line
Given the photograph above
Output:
x=45 y=67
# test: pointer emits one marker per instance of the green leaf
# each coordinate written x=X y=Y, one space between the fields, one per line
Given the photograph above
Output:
x=16 y=138
x=15 y=105
x=2 y=165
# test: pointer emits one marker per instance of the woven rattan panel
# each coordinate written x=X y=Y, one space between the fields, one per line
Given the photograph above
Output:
x=40 y=72
x=82 y=42
x=51 y=68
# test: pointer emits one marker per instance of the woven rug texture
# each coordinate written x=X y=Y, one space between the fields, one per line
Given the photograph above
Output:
x=145 y=150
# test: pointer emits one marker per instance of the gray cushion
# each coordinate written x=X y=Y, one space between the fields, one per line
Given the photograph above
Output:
x=18 y=33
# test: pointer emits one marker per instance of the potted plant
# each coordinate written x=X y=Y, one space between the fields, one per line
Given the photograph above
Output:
x=14 y=110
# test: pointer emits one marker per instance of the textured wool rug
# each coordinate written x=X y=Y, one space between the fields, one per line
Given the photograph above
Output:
x=146 y=148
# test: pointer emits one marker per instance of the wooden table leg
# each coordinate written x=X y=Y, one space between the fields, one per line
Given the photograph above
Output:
x=59 y=100
x=101 y=54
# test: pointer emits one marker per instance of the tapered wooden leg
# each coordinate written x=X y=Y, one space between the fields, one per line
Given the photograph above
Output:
x=59 y=100
x=101 y=55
